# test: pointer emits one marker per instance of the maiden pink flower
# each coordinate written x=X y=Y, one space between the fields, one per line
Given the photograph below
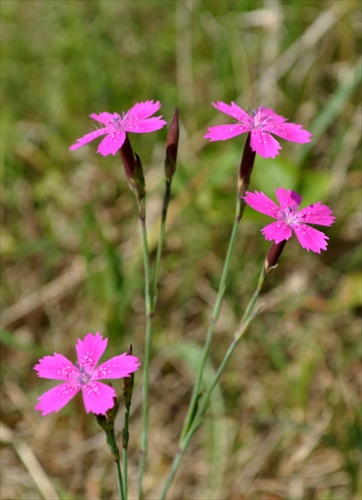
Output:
x=84 y=376
x=290 y=219
x=260 y=123
x=136 y=120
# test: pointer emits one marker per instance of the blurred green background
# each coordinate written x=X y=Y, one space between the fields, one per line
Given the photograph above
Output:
x=285 y=422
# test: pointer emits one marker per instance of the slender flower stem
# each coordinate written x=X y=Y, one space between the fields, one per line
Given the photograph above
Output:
x=215 y=315
x=127 y=383
x=122 y=494
x=112 y=443
x=146 y=363
x=245 y=170
x=248 y=317
x=151 y=284
x=166 y=201
x=106 y=422
x=170 y=169
x=125 y=438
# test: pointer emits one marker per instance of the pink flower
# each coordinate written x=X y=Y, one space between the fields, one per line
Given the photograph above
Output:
x=97 y=397
x=260 y=123
x=289 y=218
x=135 y=120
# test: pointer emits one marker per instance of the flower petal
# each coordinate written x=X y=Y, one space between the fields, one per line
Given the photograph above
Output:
x=111 y=143
x=224 y=132
x=264 y=144
x=288 y=131
x=277 y=231
x=54 y=399
x=268 y=114
x=316 y=214
x=56 y=367
x=235 y=111
x=98 y=397
x=288 y=199
x=88 y=138
x=105 y=117
x=146 y=125
x=260 y=202
x=117 y=367
x=143 y=110
x=310 y=238
x=90 y=350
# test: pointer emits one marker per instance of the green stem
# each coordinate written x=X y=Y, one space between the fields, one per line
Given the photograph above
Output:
x=146 y=363
x=112 y=443
x=215 y=315
x=166 y=201
x=250 y=307
x=125 y=448
x=121 y=492
x=248 y=317
x=150 y=298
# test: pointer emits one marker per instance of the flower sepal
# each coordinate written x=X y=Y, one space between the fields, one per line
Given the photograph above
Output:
x=106 y=422
x=171 y=147
x=271 y=261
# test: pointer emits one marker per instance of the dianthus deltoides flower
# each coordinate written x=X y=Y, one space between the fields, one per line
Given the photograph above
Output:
x=84 y=376
x=136 y=120
x=260 y=123
x=290 y=219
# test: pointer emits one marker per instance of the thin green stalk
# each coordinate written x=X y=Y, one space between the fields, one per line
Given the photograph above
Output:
x=121 y=492
x=146 y=363
x=106 y=422
x=250 y=307
x=151 y=286
x=125 y=449
x=166 y=201
x=150 y=297
x=248 y=317
x=215 y=315
x=112 y=443
x=127 y=383
x=175 y=464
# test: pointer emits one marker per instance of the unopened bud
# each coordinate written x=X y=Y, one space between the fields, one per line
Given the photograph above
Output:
x=133 y=168
x=273 y=256
x=128 y=159
x=246 y=167
x=127 y=383
x=171 y=146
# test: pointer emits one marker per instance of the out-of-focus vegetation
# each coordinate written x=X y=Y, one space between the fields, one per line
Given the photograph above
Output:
x=284 y=423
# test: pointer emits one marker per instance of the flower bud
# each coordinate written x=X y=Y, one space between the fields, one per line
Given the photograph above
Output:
x=273 y=256
x=127 y=383
x=171 y=146
x=246 y=167
x=133 y=168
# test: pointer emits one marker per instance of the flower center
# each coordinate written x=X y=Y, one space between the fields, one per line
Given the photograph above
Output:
x=83 y=377
x=259 y=118
x=118 y=123
x=121 y=124
x=287 y=215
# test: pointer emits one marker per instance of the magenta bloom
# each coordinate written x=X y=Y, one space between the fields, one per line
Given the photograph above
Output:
x=289 y=218
x=97 y=397
x=260 y=123
x=135 y=120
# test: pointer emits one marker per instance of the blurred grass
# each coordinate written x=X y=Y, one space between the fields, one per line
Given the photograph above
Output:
x=70 y=243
